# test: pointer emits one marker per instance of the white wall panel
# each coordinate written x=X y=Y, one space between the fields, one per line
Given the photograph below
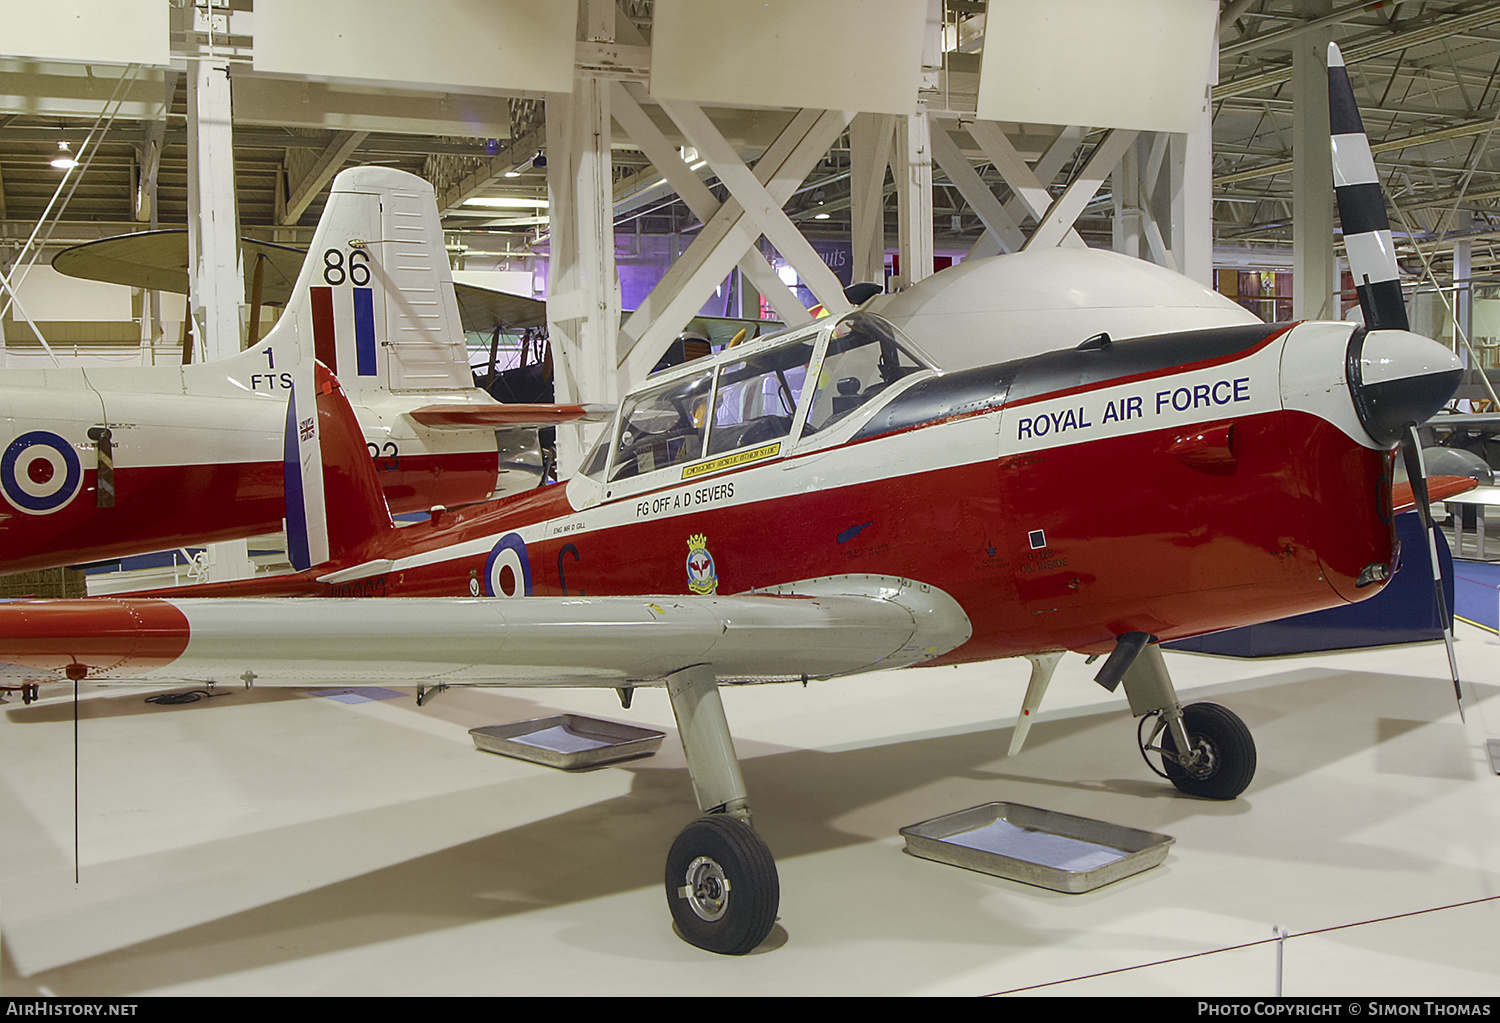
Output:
x=49 y=295
x=87 y=31
x=1142 y=64
x=449 y=44
x=345 y=106
x=826 y=54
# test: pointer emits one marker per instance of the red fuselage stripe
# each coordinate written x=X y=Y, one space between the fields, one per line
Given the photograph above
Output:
x=325 y=343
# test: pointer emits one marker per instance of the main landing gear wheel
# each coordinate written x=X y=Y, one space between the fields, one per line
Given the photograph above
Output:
x=722 y=885
x=1225 y=753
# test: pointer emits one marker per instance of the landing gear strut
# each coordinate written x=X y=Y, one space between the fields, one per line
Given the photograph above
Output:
x=1220 y=754
x=721 y=881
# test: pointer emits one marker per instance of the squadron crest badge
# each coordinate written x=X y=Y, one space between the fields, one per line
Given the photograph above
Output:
x=703 y=579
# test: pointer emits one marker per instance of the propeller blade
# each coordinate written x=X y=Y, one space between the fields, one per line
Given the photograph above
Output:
x=1411 y=453
x=1367 y=231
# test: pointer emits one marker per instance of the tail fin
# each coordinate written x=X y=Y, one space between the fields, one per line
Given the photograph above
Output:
x=1367 y=231
x=334 y=502
x=374 y=301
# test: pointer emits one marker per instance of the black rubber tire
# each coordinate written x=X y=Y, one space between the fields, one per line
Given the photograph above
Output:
x=1229 y=751
x=713 y=847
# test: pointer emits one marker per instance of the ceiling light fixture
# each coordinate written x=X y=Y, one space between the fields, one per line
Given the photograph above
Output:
x=507 y=202
x=64 y=159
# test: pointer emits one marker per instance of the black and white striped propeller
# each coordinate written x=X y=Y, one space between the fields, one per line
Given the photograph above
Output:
x=1386 y=412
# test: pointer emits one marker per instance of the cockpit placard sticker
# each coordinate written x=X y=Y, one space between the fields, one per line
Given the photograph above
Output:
x=728 y=461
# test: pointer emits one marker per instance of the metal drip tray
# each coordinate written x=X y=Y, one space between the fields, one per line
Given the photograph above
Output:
x=1041 y=847
x=568 y=741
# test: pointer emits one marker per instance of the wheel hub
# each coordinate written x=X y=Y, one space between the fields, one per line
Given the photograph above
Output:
x=707 y=889
x=1201 y=761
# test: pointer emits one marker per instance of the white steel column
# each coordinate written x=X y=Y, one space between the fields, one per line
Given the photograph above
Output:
x=1314 y=281
x=583 y=299
x=1126 y=187
x=583 y=304
x=1463 y=286
x=870 y=137
x=1191 y=157
x=217 y=288
x=913 y=172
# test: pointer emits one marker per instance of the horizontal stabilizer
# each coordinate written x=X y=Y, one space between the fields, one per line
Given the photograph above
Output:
x=609 y=641
x=467 y=417
x=1439 y=487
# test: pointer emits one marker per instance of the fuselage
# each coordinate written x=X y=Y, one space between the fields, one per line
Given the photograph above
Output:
x=1170 y=485
x=196 y=458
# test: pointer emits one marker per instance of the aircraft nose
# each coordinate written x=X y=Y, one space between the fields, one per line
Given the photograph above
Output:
x=1398 y=379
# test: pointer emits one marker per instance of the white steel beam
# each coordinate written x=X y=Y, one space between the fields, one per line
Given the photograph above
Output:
x=327 y=164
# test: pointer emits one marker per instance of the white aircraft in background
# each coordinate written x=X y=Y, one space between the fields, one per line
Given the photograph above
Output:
x=102 y=462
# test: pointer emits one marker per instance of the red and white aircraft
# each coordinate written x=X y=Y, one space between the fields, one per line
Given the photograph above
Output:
x=103 y=462
x=820 y=503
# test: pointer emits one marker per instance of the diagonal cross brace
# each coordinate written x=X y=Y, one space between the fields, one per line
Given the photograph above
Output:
x=1058 y=222
x=692 y=191
x=721 y=243
x=758 y=204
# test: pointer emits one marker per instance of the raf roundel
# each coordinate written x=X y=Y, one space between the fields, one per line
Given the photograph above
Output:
x=40 y=473
x=509 y=553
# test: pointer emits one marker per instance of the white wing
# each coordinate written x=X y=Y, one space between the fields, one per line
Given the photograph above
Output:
x=835 y=627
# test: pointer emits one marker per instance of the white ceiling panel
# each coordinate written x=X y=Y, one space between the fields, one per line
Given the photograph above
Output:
x=1143 y=64
x=87 y=31
x=825 y=54
x=448 y=44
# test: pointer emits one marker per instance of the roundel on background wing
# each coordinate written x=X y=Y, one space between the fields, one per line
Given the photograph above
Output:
x=40 y=472
x=508 y=554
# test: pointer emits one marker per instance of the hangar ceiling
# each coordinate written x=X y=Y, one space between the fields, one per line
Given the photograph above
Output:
x=1427 y=73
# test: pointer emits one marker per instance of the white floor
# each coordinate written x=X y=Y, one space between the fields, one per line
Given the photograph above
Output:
x=278 y=842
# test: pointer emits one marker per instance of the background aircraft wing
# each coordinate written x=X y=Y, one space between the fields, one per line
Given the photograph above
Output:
x=1438 y=488
x=467 y=417
x=158 y=260
x=572 y=641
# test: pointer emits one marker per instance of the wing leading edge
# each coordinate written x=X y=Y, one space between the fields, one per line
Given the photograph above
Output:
x=570 y=641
